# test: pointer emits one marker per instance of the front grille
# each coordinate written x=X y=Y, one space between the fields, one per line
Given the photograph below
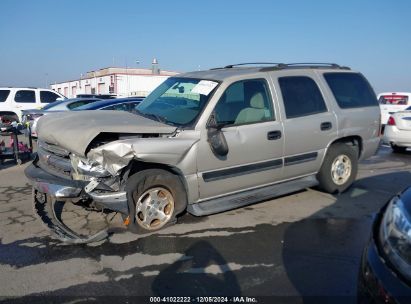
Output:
x=53 y=149
x=54 y=160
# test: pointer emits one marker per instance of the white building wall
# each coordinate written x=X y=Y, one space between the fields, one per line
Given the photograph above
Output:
x=124 y=85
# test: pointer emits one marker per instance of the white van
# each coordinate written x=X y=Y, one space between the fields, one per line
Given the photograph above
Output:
x=393 y=102
x=13 y=100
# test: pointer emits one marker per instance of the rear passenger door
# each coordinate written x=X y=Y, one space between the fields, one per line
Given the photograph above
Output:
x=25 y=99
x=309 y=123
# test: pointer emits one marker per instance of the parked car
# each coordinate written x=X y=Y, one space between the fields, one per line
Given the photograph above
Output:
x=32 y=116
x=128 y=104
x=99 y=96
x=14 y=100
x=391 y=103
x=398 y=130
x=385 y=275
x=209 y=141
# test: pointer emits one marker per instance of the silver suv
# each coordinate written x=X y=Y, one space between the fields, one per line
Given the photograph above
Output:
x=209 y=141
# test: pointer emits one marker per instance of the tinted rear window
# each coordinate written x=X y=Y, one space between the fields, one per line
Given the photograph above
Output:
x=3 y=95
x=394 y=99
x=351 y=90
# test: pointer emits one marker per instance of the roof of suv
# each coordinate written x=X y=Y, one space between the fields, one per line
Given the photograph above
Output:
x=25 y=88
x=229 y=71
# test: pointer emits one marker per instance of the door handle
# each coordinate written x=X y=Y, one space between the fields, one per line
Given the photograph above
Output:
x=326 y=126
x=274 y=135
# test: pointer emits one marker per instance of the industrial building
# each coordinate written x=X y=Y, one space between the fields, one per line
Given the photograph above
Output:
x=122 y=82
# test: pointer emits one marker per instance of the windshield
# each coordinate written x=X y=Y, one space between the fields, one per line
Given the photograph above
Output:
x=53 y=104
x=177 y=101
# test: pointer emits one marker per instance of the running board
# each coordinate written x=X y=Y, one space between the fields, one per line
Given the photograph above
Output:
x=44 y=207
x=249 y=197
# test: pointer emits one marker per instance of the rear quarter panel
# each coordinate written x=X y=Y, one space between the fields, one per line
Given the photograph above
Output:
x=362 y=121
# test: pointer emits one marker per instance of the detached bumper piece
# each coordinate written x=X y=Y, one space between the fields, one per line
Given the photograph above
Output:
x=49 y=195
x=49 y=211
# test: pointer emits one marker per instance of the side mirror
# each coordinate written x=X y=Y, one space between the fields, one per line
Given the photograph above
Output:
x=216 y=138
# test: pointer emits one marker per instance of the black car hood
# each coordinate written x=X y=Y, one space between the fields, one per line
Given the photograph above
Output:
x=74 y=131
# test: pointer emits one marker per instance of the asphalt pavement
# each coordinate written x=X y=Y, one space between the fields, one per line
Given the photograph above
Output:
x=300 y=247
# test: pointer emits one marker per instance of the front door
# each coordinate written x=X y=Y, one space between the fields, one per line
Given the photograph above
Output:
x=254 y=137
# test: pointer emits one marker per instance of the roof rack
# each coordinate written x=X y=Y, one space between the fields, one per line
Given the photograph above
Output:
x=230 y=66
x=305 y=65
x=280 y=66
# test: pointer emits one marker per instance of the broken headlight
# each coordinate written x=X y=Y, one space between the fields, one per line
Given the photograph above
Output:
x=83 y=169
x=395 y=236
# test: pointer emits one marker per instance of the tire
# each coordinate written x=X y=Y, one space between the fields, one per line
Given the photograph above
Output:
x=339 y=168
x=155 y=198
x=9 y=118
x=398 y=149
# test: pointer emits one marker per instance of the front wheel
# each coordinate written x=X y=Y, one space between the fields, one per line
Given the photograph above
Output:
x=339 y=168
x=155 y=198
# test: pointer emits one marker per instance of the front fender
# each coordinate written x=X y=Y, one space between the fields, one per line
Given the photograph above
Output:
x=116 y=155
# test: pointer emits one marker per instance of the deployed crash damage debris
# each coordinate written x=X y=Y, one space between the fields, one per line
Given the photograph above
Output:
x=96 y=173
x=87 y=225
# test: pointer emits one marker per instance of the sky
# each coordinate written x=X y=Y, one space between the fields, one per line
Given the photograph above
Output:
x=47 y=41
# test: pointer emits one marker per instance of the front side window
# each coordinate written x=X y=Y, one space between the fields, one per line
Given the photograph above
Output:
x=48 y=97
x=351 y=90
x=301 y=96
x=3 y=95
x=25 y=96
x=177 y=101
x=244 y=102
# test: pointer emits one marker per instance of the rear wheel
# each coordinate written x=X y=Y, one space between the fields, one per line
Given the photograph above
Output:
x=9 y=117
x=155 y=198
x=398 y=149
x=339 y=168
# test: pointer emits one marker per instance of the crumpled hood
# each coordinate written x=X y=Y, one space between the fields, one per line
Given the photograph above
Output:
x=75 y=130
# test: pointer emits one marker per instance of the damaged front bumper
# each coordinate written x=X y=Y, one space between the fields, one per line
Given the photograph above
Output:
x=50 y=190
x=49 y=210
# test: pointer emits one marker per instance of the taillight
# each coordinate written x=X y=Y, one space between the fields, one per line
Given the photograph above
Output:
x=391 y=121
